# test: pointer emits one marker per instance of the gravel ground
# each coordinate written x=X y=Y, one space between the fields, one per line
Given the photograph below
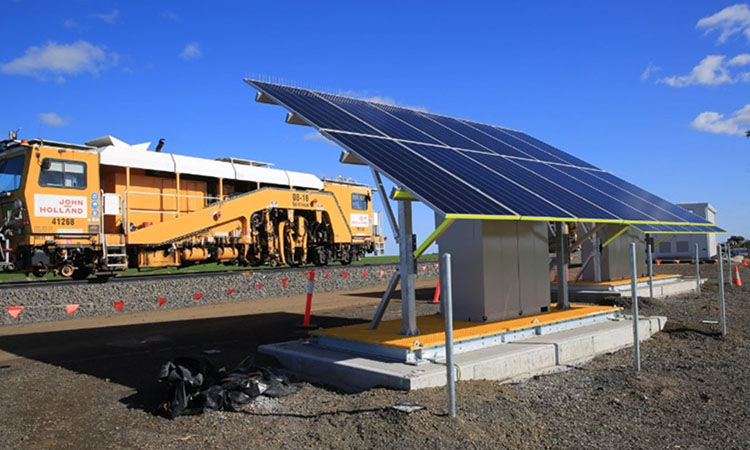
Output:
x=95 y=389
x=99 y=299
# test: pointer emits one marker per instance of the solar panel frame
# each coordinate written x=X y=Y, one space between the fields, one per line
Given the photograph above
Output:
x=677 y=229
x=347 y=119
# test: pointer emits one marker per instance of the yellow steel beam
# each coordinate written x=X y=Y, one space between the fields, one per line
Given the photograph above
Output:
x=400 y=194
x=567 y=219
x=433 y=237
x=666 y=236
x=615 y=236
x=679 y=232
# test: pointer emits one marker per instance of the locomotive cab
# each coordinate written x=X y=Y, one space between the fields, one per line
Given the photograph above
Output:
x=49 y=206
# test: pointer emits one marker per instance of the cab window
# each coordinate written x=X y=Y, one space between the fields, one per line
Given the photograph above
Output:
x=11 y=170
x=64 y=174
x=359 y=201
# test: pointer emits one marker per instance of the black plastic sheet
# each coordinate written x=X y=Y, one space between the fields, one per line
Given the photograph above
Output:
x=194 y=386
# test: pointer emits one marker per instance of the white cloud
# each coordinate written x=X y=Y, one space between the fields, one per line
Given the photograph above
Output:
x=109 y=17
x=713 y=122
x=60 y=59
x=53 y=119
x=70 y=23
x=191 y=51
x=171 y=15
x=728 y=22
x=742 y=59
x=648 y=71
x=710 y=71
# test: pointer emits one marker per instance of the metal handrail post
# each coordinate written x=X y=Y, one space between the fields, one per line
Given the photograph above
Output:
x=650 y=271
x=722 y=311
x=447 y=293
x=697 y=272
x=634 y=288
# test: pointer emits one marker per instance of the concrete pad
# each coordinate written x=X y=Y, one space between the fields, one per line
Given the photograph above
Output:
x=501 y=362
x=683 y=286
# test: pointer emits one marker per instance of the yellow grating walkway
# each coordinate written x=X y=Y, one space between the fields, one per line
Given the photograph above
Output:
x=620 y=282
x=432 y=328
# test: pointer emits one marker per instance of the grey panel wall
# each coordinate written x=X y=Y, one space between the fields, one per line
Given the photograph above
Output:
x=615 y=258
x=500 y=269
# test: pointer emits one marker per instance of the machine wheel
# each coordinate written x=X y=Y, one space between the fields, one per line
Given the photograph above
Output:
x=67 y=270
x=321 y=256
x=346 y=258
x=39 y=272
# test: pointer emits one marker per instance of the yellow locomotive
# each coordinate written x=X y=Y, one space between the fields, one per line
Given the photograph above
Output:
x=101 y=207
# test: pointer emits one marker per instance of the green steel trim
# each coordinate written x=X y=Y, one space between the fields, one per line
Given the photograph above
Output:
x=400 y=194
x=570 y=219
x=681 y=232
x=615 y=236
x=662 y=239
x=433 y=237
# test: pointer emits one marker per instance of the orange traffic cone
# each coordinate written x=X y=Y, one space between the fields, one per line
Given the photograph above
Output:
x=436 y=297
x=567 y=275
x=744 y=263
x=658 y=262
x=736 y=280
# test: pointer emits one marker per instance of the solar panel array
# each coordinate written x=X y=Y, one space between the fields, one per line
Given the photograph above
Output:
x=466 y=169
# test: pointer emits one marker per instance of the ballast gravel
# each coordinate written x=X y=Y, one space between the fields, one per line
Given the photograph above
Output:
x=48 y=303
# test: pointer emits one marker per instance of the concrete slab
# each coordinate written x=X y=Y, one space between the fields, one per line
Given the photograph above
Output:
x=502 y=362
x=663 y=287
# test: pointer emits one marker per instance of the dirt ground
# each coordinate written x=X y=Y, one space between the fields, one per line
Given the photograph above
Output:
x=77 y=384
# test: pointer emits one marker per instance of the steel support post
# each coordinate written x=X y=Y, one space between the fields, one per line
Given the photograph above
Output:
x=729 y=263
x=385 y=301
x=697 y=272
x=446 y=290
x=634 y=289
x=386 y=203
x=649 y=250
x=561 y=239
x=407 y=270
x=722 y=311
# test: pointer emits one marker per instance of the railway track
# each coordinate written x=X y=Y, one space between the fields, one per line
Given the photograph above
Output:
x=55 y=283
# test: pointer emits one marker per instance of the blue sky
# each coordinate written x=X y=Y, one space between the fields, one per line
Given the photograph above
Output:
x=656 y=92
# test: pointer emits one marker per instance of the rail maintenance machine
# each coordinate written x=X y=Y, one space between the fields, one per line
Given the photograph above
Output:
x=99 y=208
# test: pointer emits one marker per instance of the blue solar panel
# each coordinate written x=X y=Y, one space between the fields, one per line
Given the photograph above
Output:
x=554 y=151
x=437 y=131
x=488 y=142
x=508 y=193
x=636 y=202
x=468 y=168
x=526 y=175
x=318 y=111
x=653 y=199
x=442 y=191
x=379 y=119
x=531 y=151
x=620 y=208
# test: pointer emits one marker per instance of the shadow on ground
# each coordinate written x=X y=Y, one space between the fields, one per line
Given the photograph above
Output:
x=131 y=355
x=422 y=294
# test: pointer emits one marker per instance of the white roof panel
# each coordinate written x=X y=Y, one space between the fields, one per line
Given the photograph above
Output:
x=114 y=152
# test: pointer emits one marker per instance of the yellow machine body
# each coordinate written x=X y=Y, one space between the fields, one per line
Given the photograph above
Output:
x=66 y=211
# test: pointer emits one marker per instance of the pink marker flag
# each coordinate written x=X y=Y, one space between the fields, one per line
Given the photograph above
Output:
x=14 y=311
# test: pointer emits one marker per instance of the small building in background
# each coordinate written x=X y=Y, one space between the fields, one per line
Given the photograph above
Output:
x=682 y=246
